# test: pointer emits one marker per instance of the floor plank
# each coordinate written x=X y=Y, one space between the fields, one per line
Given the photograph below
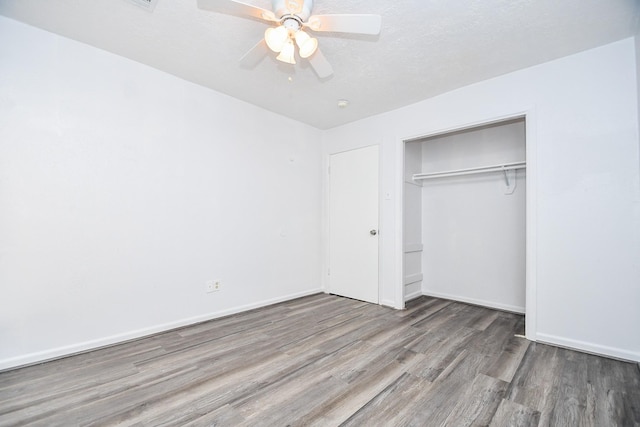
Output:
x=324 y=360
x=511 y=414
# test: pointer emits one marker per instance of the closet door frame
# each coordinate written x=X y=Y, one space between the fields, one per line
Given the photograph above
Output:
x=528 y=114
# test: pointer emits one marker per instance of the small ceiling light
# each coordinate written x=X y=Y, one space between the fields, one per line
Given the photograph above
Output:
x=276 y=38
x=287 y=53
x=307 y=44
x=343 y=103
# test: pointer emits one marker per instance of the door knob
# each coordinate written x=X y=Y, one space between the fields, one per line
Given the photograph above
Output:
x=373 y=232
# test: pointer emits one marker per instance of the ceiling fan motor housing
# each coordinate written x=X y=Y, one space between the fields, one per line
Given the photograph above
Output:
x=299 y=8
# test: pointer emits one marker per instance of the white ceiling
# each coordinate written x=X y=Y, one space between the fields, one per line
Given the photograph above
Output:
x=426 y=47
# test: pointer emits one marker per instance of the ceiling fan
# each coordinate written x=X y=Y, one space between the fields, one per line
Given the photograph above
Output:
x=290 y=18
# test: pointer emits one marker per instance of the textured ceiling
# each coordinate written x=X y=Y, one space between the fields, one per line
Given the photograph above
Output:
x=426 y=47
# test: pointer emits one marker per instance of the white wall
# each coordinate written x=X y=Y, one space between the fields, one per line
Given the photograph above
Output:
x=585 y=178
x=637 y=51
x=637 y=40
x=473 y=227
x=124 y=189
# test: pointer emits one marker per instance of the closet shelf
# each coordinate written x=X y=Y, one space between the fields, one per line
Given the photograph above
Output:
x=470 y=171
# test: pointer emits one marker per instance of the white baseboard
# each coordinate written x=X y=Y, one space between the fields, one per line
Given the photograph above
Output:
x=59 y=352
x=412 y=295
x=490 y=304
x=588 y=347
x=390 y=303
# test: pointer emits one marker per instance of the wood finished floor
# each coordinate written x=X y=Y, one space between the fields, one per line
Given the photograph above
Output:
x=330 y=361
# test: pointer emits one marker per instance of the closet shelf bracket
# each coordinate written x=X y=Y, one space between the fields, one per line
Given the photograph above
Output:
x=506 y=177
x=509 y=181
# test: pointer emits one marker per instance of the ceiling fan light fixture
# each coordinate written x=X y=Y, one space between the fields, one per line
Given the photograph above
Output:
x=288 y=18
x=294 y=6
x=288 y=53
x=314 y=23
x=276 y=38
x=307 y=44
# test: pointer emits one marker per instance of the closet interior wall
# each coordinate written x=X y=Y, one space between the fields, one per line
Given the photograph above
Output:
x=412 y=222
x=465 y=235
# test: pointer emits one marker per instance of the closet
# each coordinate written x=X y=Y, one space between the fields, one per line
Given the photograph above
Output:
x=464 y=216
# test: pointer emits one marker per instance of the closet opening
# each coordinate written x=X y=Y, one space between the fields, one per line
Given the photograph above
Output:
x=464 y=215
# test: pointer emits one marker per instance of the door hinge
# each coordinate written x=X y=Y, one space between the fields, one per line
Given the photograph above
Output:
x=328 y=272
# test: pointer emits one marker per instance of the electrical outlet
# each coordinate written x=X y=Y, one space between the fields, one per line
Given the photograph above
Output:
x=213 y=286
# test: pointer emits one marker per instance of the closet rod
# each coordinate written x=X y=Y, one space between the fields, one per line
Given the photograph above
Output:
x=470 y=171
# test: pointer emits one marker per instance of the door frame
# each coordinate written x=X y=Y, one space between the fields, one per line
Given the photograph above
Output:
x=528 y=114
x=326 y=222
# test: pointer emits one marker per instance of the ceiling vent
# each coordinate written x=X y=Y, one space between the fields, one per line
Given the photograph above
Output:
x=145 y=4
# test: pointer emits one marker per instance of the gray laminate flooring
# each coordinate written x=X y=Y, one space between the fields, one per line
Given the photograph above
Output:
x=324 y=360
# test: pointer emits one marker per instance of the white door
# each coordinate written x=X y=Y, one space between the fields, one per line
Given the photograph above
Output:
x=353 y=224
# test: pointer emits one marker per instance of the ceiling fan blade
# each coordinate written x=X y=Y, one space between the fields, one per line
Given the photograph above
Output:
x=356 y=24
x=237 y=8
x=255 y=55
x=320 y=65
